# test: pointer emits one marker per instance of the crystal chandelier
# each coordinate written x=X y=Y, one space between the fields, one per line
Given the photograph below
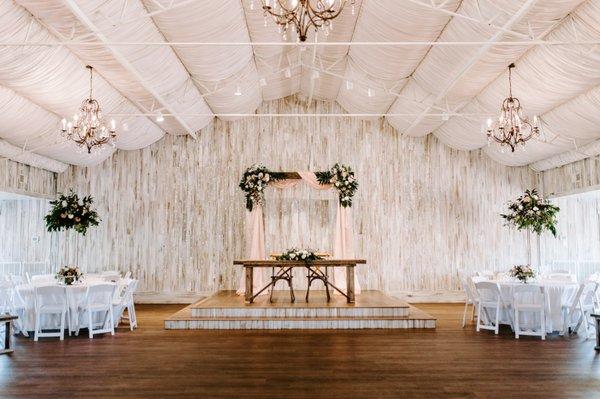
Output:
x=304 y=14
x=512 y=127
x=87 y=127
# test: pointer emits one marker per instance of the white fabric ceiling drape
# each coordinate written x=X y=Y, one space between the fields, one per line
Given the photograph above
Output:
x=557 y=82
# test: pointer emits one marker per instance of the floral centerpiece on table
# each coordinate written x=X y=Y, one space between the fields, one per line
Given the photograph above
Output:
x=342 y=178
x=71 y=212
x=522 y=273
x=531 y=211
x=303 y=255
x=254 y=181
x=69 y=275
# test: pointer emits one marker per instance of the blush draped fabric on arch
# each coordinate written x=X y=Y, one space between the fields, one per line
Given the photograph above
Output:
x=343 y=247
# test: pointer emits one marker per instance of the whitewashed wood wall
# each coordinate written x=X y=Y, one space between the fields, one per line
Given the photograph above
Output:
x=19 y=178
x=174 y=215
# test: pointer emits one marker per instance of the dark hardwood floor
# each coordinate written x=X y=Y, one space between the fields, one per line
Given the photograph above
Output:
x=449 y=362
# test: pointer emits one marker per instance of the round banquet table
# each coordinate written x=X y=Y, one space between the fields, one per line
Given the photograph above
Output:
x=558 y=294
x=75 y=298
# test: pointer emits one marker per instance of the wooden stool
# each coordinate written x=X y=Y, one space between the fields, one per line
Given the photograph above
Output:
x=7 y=320
x=597 y=318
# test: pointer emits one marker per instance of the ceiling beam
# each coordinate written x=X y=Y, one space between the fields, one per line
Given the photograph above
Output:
x=406 y=43
x=82 y=17
x=494 y=40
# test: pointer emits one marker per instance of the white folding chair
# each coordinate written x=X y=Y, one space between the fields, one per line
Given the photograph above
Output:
x=596 y=278
x=49 y=300
x=490 y=300
x=529 y=300
x=579 y=310
x=98 y=301
x=125 y=301
x=472 y=298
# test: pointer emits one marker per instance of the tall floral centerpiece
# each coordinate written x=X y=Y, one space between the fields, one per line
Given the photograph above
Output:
x=72 y=212
x=533 y=213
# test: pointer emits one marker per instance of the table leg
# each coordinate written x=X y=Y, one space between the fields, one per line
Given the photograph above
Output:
x=249 y=284
x=350 y=283
x=597 y=333
x=7 y=348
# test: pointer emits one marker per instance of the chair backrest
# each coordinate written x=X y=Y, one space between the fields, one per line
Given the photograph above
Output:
x=100 y=293
x=469 y=287
x=487 y=274
x=561 y=277
x=111 y=275
x=528 y=294
x=588 y=294
x=488 y=291
x=42 y=279
x=49 y=295
x=127 y=275
x=130 y=289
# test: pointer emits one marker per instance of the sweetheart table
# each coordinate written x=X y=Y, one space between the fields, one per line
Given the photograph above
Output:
x=314 y=269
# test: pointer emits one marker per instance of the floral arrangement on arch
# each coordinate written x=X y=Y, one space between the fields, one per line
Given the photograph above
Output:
x=303 y=255
x=342 y=178
x=531 y=211
x=71 y=212
x=257 y=177
x=254 y=181
x=68 y=275
x=522 y=273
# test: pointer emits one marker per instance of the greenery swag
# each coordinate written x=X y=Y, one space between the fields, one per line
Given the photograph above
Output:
x=342 y=178
x=257 y=177
x=531 y=211
x=71 y=212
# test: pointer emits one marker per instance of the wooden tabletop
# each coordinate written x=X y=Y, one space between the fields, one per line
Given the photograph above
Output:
x=296 y=263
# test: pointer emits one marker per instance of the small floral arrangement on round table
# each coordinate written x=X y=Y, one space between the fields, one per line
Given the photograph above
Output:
x=71 y=212
x=302 y=255
x=69 y=275
x=522 y=273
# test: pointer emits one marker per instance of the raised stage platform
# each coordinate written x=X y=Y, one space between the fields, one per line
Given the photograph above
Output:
x=226 y=310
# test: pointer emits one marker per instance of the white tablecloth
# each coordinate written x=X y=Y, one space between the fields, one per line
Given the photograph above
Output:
x=558 y=294
x=75 y=298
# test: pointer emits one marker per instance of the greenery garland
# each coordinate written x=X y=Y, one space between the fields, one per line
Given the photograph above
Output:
x=304 y=255
x=531 y=211
x=342 y=178
x=71 y=212
x=257 y=177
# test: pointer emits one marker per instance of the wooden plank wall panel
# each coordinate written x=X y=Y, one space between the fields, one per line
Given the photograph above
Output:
x=576 y=176
x=174 y=215
x=20 y=222
x=24 y=179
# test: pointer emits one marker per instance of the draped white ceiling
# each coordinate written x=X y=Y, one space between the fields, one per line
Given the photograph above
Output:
x=443 y=90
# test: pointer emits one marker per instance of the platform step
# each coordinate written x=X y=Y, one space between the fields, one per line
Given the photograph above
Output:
x=226 y=311
x=371 y=304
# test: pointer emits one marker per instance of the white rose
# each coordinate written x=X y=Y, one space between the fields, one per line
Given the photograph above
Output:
x=80 y=202
x=303 y=256
x=534 y=197
x=64 y=204
x=535 y=208
x=260 y=175
x=70 y=216
x=520 y=207
x=292 y=255
x=337 y=183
